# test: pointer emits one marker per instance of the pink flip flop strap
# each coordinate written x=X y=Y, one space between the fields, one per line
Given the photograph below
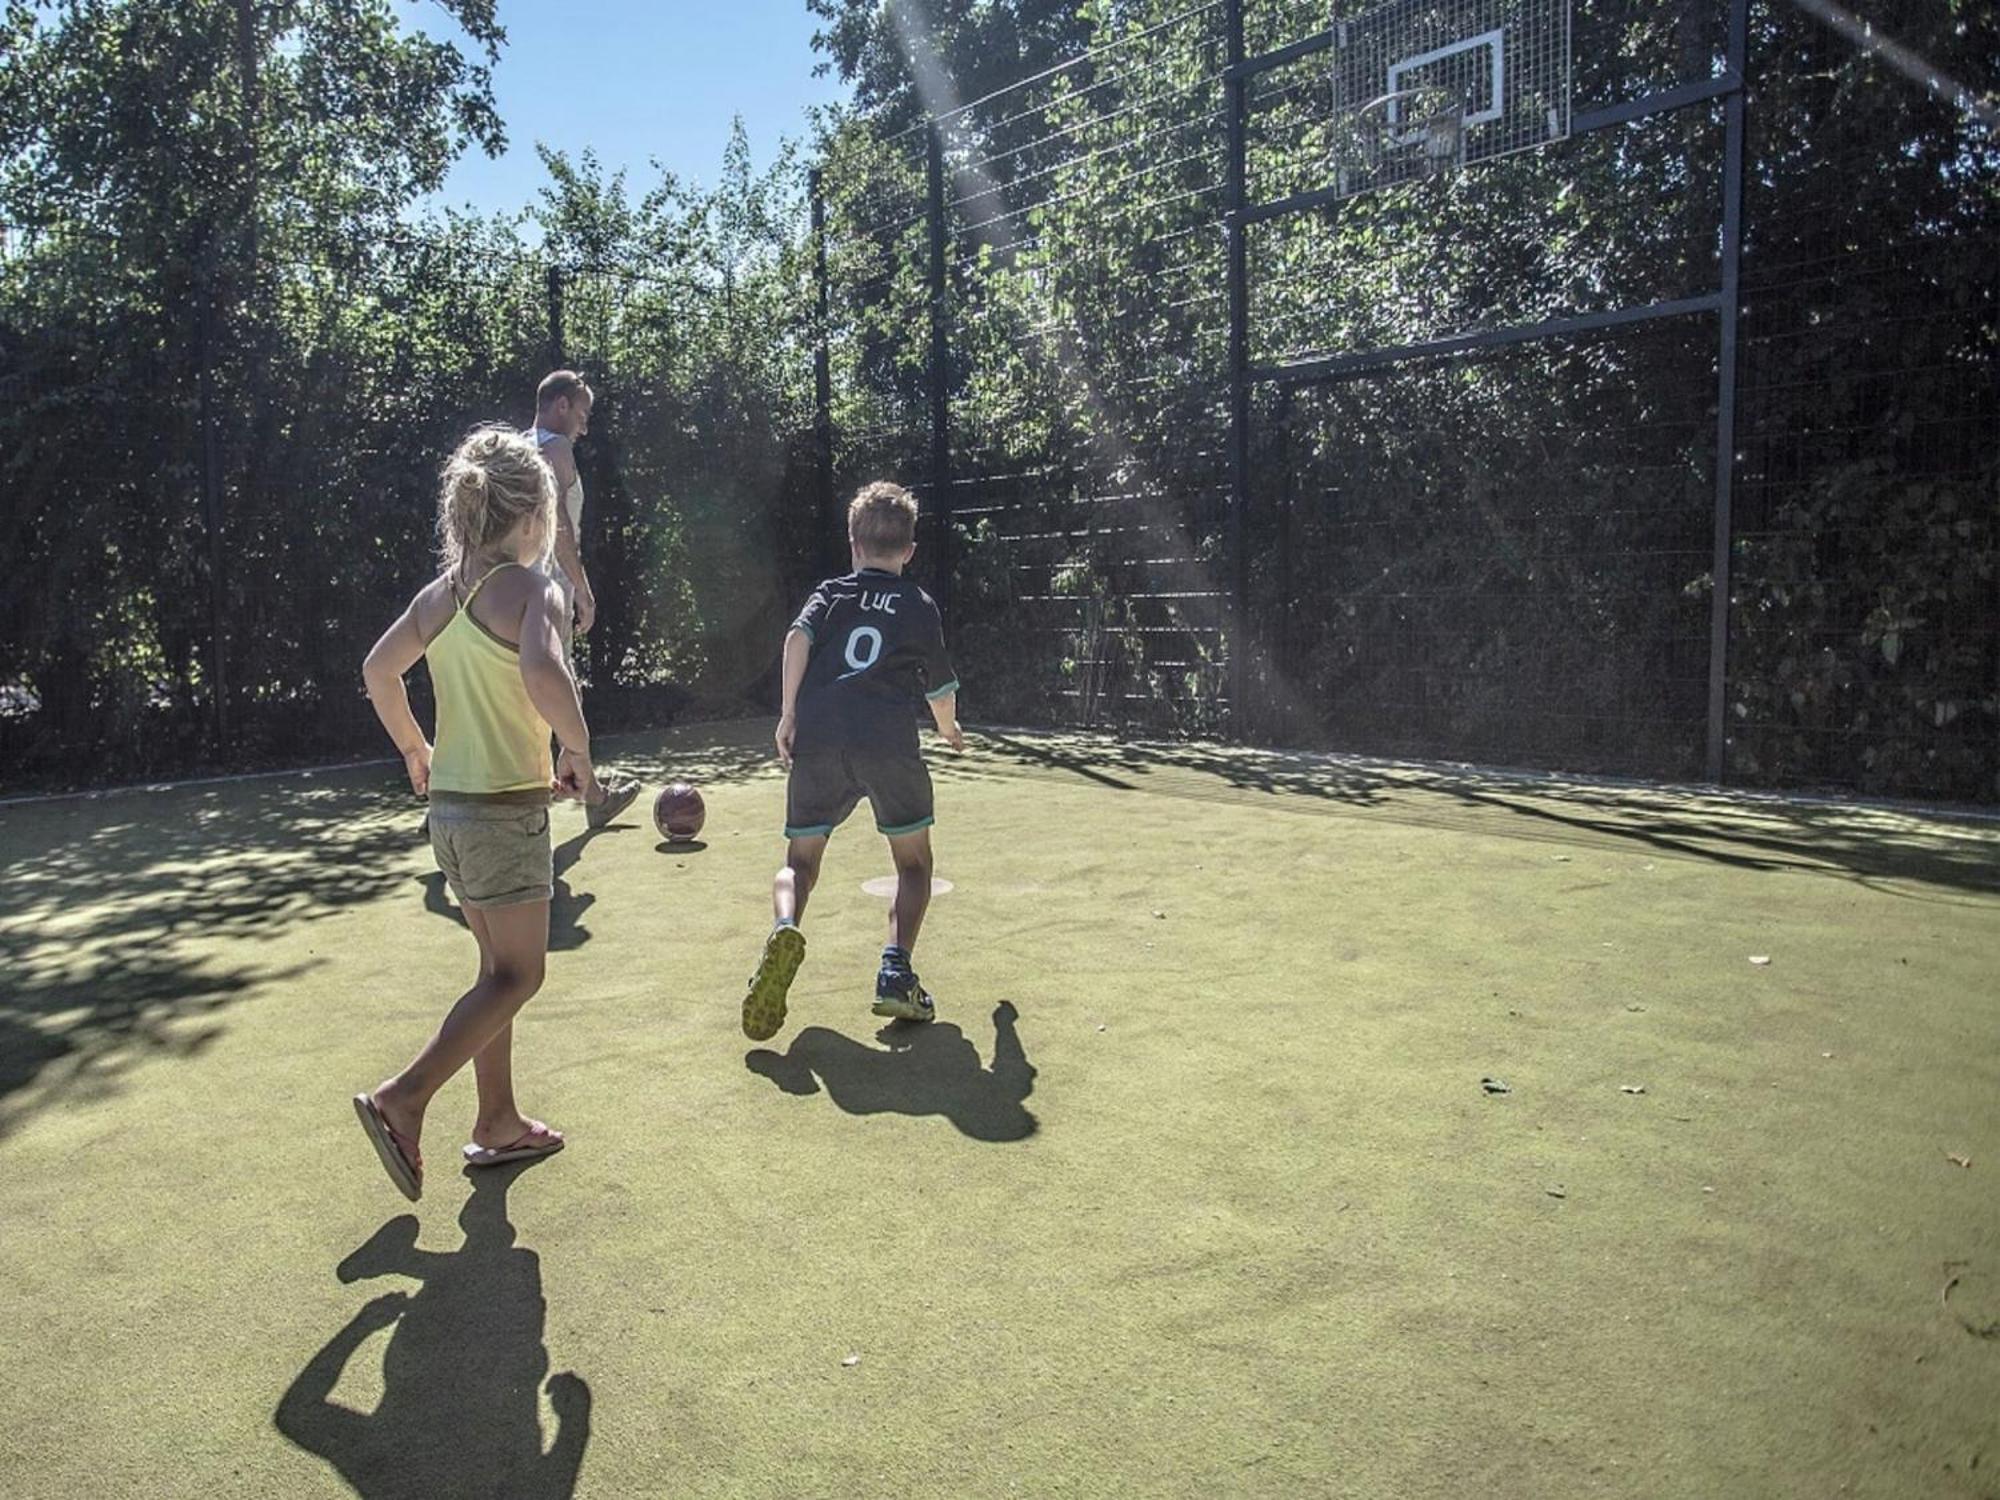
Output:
x=537 y=1128
x=408 y=1148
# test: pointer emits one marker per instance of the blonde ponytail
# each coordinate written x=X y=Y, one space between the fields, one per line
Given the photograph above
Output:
x=495 y=481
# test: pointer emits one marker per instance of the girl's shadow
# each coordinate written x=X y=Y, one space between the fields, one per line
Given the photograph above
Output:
x=460 y=1411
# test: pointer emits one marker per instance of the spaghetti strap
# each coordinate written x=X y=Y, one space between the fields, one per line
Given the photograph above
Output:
x=498 y=568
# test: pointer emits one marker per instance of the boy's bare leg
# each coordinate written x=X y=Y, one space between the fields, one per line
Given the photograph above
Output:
x=912 y=854
x=897 y=991
x=512 y=959
x=793 y=885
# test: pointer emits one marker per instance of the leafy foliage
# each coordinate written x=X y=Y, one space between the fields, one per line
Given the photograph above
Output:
x=1507 y=558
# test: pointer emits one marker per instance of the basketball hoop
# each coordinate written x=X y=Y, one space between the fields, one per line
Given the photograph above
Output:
x=1425 y=87
x=1397 y=137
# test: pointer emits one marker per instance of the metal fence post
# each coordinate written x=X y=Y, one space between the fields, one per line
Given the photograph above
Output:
x=826 y=523
x=555 y=318
x=1725 y=406
x=1281 y=649
x=940 y=370
x=1235 y=93
x=211 y=498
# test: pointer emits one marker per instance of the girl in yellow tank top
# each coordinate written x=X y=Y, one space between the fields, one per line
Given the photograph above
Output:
x=488 y=628
x=492 y=742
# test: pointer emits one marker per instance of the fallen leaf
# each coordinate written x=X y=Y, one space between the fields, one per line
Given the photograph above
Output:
x=1561 y=859
x=1556 y=1192
x=1635 y=1007
x=1631 y=1088
x=1494 y=1086
x=1826 y=1054
x=851 y=1361
x=1761 y=960
x=1100 y=1028
x=1162 y=916
x=1958 y=1161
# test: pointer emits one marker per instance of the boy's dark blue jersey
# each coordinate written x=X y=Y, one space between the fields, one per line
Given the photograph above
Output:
x=877 y=654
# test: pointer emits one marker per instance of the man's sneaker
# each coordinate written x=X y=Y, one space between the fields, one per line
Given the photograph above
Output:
x=618 y=795
x=898 y=994
x=764 y=1003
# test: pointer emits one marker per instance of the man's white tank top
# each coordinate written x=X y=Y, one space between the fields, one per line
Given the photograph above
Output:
x=572 y=504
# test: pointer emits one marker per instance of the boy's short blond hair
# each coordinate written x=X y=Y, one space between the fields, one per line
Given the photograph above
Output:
x=882 y=519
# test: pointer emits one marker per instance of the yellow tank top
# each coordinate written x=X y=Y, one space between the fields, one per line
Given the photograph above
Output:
x=491 y=741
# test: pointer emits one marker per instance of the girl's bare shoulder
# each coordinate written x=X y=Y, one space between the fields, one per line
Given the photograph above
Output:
x=434 y=606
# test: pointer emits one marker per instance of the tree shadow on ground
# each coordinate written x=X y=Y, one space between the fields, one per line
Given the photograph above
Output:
x=128 y=923
x=931 y=1069
x=1743 y=831
x=462 y=1375
x=702 y=754
x=128 y=920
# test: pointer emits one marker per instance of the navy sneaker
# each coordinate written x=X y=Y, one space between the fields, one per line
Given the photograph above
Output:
x=898 y=994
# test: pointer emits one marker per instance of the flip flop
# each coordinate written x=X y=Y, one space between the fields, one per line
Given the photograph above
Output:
x=549 y=1143
x=400 y=1159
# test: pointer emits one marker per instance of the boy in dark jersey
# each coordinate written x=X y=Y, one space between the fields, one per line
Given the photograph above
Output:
x=866 y=650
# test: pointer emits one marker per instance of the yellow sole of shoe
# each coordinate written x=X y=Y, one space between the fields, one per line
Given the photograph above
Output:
x=764 y=1004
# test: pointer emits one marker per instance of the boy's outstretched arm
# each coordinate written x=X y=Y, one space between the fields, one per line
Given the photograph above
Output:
x=798 y=654
x=401 y=647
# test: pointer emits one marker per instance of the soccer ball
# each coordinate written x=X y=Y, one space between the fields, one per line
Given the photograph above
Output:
x=678 y=813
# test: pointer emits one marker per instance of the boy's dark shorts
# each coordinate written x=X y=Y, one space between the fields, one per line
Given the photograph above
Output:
x=826 y=784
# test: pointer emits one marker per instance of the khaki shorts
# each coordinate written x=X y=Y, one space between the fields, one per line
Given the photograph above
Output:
x=493 y=853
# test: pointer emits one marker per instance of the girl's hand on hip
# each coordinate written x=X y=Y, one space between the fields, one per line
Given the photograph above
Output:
x=418 y=763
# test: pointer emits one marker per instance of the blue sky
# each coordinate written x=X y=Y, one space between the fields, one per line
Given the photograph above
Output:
x=639 y=79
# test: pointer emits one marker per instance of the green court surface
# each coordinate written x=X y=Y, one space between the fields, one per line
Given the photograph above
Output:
x=1195 y=1188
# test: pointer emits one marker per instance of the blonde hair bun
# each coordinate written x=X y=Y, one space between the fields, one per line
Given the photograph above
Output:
x=495 y=481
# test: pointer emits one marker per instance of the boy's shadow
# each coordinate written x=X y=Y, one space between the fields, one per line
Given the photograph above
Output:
x=932 y=1069
x=566 y=932
x=461 y=1378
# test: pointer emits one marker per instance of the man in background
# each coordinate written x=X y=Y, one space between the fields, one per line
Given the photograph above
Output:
x=562 y=416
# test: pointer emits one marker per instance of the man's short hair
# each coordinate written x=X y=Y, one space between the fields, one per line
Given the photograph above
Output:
x=560 y=384
x=882 y=519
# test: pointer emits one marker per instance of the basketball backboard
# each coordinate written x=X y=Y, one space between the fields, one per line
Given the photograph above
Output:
x=1426 y=86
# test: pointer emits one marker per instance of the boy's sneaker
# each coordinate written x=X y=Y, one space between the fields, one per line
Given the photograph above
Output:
x=618 y=795
x=898 y=994
x=764 y=1004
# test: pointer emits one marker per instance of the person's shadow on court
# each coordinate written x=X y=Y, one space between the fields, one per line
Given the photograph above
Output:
x=566 y=907
x=460 y=1411
x=931 y=1069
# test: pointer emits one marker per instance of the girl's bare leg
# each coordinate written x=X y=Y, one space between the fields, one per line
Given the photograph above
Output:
x=512 y=954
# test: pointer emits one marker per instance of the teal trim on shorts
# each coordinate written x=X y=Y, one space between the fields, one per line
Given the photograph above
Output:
x=916 y=827
x=818 y=830
x=944 y=692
